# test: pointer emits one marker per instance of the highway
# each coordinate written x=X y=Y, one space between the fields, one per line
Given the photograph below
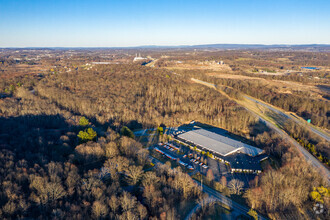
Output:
x=312 y=129
x=309 y=157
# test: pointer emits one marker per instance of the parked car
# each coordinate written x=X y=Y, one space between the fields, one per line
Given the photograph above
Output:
x=196 y=162
x=204 y=166
x=200 y=164
x=184 y=156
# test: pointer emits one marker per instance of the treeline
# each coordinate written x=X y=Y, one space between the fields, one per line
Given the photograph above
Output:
x=299 y=102
x=309 y=108
x=315 y=145
x=126 y=93
x=283 y=190
x=45 y=174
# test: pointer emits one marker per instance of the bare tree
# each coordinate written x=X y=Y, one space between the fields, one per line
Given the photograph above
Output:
x=127 y=201
x=113 y=203
x=235 y=186
x=149 y=178
x=209 y=175
x=111 y=150
x=142 y=211
x=99 y=209
x=47 y=191
x=133 y=174
x=223 y=181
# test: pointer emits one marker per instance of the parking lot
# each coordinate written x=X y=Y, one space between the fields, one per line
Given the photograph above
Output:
x=195 y=161
x=199 y=162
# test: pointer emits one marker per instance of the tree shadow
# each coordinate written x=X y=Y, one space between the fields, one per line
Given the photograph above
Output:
x=38 y=138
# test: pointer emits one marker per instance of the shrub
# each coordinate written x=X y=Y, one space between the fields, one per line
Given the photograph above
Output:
x=88 y=135
x=126 y=132
x=83 y=121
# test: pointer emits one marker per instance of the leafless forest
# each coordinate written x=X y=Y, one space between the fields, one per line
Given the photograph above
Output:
x=46 y=171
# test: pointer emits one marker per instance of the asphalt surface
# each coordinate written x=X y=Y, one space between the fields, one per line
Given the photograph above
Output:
x=198 y=206
x=309 y=157
x=314 y=130
x=242 y=210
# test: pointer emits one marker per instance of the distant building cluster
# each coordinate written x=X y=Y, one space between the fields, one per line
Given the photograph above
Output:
x=138 y=58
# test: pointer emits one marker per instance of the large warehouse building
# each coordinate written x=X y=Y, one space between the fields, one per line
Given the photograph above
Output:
x=241 y=157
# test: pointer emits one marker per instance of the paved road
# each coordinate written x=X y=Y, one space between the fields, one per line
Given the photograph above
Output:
x=314 y=130
x=309 y=157
x=144 y=132
x=242 y=210
x=198 y=206
x=321 y=134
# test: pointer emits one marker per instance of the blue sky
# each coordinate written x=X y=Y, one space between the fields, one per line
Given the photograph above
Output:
x=112 y=23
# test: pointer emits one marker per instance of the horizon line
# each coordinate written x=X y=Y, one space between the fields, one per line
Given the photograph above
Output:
x=167 y=46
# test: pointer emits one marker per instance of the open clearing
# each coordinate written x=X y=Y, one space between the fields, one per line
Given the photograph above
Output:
x=314 y=91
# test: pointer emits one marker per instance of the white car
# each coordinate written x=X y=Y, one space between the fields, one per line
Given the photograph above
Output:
x=196 y=162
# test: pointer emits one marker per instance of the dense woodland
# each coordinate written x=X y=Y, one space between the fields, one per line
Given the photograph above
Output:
x=46 y=171
x=43 y=175
x=127 y=93
x=56 y=175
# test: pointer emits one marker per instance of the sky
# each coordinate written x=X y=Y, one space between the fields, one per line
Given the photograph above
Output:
x=124 y=23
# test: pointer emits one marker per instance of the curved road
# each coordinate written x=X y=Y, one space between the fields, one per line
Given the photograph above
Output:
x=240 y=209
x=309 y=157
x=198 y=206
x=314 y=130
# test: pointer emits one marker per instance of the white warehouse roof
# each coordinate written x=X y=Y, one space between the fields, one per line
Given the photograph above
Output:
x=218 y=143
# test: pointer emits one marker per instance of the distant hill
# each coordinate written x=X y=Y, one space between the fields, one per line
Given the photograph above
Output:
x=304 y=47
